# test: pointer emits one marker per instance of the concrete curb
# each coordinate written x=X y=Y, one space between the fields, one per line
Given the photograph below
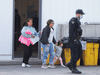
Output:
x=18 y=61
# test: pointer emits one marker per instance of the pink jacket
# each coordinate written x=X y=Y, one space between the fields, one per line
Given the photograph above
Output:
x=25 y=40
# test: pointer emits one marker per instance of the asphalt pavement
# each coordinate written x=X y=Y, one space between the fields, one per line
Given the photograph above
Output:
x=37 y=70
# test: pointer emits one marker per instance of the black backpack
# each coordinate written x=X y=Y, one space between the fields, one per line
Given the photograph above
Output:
x=64 y=40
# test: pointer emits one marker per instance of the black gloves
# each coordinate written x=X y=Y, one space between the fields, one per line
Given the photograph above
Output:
x=76 y=42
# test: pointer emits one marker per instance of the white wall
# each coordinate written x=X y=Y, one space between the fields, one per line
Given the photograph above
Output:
x=6 y=24
x=62 y=10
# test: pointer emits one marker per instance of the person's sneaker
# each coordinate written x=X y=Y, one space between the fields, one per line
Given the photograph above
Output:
x=44 y=66
x=51 y=66
x=62 y=65
x=23 y=64
x=27 y=65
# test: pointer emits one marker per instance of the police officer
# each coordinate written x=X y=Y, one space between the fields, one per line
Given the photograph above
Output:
x=75 y=32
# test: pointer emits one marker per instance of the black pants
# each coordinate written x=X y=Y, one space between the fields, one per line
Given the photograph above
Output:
x=27 y=53
x=76 y=52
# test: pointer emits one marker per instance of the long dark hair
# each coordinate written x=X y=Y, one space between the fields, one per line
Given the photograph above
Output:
x=49 y=21
x=25 y=23
x=29 y=19
x=59 y=42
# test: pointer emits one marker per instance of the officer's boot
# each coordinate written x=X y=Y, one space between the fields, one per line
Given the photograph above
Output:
x=75 y=70
x=69 y=65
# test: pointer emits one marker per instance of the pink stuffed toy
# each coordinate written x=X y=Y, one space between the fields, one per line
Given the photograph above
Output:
x=25 y=40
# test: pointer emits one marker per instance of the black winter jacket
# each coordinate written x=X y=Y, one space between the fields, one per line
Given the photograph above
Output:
x=45 y=36
x=74 y=26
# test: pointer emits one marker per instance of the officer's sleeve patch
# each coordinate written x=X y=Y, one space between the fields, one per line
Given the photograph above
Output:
x=73 y=22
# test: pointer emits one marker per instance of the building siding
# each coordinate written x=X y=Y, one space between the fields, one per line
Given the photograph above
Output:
x=6 y=29
x=61 y=11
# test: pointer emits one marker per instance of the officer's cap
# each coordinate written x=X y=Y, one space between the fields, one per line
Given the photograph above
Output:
x=79 y=11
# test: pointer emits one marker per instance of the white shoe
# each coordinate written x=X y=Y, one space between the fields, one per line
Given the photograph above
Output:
x=62 y=65
x=27 y=65
x=51 y=66
x=23 y=64
x=44 y=66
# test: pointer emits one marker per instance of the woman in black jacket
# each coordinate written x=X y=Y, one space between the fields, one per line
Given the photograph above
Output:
x=47 y=39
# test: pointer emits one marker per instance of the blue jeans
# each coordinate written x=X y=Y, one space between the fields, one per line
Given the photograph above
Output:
x=46 y=51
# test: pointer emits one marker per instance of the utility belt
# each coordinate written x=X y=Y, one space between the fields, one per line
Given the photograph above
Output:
x=76 y=37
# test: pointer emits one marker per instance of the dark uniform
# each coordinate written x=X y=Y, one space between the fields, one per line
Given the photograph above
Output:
x=75 y=33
